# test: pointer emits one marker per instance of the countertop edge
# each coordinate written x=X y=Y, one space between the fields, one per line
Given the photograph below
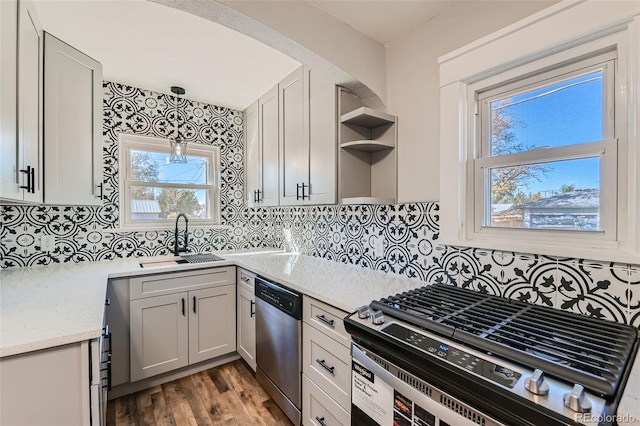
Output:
x=49 y=343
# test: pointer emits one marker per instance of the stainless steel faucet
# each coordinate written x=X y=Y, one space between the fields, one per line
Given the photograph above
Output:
x=177 y=248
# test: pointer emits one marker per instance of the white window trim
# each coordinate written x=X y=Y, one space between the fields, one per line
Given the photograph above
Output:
x=126 y=142
x=606 y=150
x=537 y=43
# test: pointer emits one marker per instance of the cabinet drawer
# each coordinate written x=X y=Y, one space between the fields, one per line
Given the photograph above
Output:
x=318 y=408
x=328 y=364
x=326 y=318
x=156 y=285
x=246 y=279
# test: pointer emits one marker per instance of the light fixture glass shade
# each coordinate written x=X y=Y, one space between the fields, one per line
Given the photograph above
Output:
x=178 y=145
x=178 y=151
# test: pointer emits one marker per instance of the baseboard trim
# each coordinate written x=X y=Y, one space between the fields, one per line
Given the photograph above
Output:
x=133 y=387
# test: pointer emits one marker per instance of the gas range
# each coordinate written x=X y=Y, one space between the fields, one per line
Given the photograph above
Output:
x=518 y=363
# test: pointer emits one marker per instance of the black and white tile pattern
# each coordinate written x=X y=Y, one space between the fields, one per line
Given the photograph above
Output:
x=400 y=239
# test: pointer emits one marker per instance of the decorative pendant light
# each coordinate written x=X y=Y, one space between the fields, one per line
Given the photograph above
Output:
x=178 y=145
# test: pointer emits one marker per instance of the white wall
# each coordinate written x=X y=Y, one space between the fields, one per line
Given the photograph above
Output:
x=413 y=92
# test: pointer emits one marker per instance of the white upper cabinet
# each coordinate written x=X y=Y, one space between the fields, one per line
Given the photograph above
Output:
x=268 y=145
x=294 y=138
x=72 y=125
x=20 y=103
x=322 y=139
x=253 y=177
x=307 y=139
x=291 y=147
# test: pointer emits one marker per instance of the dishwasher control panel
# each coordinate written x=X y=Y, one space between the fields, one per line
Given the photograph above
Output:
x=285 y=299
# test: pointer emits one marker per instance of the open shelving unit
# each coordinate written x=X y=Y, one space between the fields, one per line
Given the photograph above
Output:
x=367 y=160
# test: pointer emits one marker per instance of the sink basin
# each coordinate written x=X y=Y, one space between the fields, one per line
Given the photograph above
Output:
x=162 y=263
x=187 y=258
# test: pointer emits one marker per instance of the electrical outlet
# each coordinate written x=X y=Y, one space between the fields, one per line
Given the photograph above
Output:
x=48 y=243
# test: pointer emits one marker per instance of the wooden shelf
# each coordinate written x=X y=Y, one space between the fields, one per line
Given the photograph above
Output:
x=367 y=117
x=367 y=145
x=367 y=200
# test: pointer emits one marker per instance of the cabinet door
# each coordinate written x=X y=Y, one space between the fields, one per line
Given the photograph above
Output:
x=73 y=125
x=323 y=160
x=246 y=325
x=9 y=101
x=294 y=138
x=30 y=101
x=159 y=335
x=253 y=155
x=269 y=136
x=212 y=322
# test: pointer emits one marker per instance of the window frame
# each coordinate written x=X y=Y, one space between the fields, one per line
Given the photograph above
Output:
x=537 y=42
x=605 y=149
x=129 y=142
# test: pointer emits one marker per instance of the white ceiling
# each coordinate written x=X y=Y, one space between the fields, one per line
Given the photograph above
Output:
x=383 y=20
x=154 y=47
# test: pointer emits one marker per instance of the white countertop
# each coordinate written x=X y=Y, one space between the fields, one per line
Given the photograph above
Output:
x=629 y=407
x=47 y=306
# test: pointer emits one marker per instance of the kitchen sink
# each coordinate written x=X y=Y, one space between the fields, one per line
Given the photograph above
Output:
x=187 y=258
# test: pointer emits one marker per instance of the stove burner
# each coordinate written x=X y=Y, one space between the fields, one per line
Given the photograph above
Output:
x=575 y=348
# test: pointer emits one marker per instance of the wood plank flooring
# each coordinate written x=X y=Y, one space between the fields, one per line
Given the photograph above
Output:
x=225 y=395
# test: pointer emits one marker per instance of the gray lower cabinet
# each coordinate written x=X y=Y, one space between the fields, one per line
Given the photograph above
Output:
x=49 y=387
x=326 y=365
x=159 y=335
x=246 y=317
x=163 y=322
x=212 y=323
x=172 y=331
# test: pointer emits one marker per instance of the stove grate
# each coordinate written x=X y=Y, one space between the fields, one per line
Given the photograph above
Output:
x=572 y=347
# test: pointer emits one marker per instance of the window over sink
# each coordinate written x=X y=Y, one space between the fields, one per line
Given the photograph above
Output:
x=153 y=191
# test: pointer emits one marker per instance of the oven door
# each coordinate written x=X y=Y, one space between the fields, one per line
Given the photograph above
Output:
x=390 y=396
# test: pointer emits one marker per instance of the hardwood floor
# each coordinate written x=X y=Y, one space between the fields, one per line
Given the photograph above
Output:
x=225 y=395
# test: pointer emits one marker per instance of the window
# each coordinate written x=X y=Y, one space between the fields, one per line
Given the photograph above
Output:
x=154 y=191
x=547 y=150
x=539 y=148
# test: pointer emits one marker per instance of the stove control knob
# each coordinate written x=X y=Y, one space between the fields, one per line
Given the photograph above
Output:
x=363 y=312
x=377 y=317
x=577 y=401
x=536 y=383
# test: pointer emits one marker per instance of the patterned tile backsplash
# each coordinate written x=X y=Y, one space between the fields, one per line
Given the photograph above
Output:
x=400 y=239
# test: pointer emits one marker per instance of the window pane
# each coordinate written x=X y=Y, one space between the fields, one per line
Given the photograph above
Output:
x=563 y=113
x=167 y=203
x=554 y=195
x=155 y=167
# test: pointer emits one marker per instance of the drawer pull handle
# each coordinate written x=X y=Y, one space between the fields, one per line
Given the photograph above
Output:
x=325 y=320
x=252 y=311
x=325 y=366
x=245 y=279
x=321 y=420
x=194 y=304
x=183 y=313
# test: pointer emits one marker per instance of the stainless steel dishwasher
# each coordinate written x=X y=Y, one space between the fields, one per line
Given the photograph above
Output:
x=278 y=346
